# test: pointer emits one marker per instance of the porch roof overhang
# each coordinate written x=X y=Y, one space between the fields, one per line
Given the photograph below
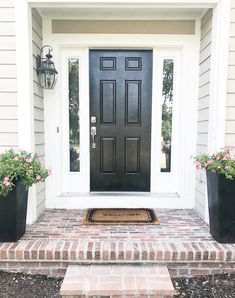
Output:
x=121 y=10
x=126 y=3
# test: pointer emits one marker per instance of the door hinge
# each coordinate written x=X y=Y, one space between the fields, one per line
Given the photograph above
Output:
x=57 y=129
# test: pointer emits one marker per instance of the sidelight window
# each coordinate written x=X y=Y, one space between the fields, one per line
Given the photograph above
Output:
x=167 y=109
x=74 y=125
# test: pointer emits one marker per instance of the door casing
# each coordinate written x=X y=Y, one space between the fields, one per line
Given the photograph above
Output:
x=74 y=192
x=80 y=182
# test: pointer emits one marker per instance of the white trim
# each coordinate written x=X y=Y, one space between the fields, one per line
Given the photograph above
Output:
x=24 y=63
x=130 y=3
x=156 y=14
x=72 y=181
x=119 y=201
x=188 y=45
x=160 y=182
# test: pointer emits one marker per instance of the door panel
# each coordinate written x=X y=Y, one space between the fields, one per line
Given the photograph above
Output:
x=132 y=157
x=108 y=102
x=108 y=155
x=133 y=102
x=120 y=99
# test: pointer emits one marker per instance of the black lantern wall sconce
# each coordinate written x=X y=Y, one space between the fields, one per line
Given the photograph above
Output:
x=46 y=71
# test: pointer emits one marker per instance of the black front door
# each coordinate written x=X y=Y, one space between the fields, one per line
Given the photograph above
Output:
x=120 y=112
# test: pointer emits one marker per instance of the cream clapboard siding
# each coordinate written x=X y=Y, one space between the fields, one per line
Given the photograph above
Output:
x=38 y=104
x=230 y=113
x=203 y=105
x=8 y=88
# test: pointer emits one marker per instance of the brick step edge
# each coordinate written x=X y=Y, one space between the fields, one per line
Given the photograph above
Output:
x=81 y=251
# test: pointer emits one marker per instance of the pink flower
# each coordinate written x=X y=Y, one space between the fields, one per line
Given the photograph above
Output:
x=38 y=177
x=227 y=167
x=6 y=183
x=16 y=158
x=28 y=160
x=49 y=171
x=198 y=165
x=210 y=161
x=39 y=158
x=226 y=155
x=217 y=157
x=230 y=148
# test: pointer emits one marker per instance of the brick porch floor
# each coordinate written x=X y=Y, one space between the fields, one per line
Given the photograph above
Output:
x=58 y=239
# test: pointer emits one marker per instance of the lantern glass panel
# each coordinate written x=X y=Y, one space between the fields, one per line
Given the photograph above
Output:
x=47 y=79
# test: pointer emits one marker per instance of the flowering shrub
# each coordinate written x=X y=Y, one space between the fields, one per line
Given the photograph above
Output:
x=22 y=165
x=221 y=162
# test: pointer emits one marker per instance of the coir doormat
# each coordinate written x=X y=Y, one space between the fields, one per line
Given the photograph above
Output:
x=120 y=217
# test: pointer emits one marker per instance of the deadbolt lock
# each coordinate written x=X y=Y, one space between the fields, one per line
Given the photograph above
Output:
x=93 y=119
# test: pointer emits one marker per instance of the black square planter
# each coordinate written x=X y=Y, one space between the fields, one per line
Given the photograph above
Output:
x=221 y=200
x=13 y=209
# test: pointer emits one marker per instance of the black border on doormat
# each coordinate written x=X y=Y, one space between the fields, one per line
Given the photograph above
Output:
x=88 y=217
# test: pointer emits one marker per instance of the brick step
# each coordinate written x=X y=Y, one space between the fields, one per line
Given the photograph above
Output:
x=117 y=281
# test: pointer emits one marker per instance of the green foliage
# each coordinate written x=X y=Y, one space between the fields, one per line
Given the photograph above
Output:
x=74 y=101
x=166 y=124
x=168 y=69
x=167 y=93
x=22 y=165
x=221 y=162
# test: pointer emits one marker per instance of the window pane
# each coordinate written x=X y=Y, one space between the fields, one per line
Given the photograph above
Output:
x=74 y=132
x=167 y=103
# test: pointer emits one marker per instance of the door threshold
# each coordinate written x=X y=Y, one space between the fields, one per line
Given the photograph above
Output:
x=124 y=200
x=121 y=194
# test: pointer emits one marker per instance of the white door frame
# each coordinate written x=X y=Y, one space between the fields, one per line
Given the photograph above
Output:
x=79 y=182
x=220 y=46
x=185 y=50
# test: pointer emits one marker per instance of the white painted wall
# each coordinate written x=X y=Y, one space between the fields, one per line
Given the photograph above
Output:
x=8 y=86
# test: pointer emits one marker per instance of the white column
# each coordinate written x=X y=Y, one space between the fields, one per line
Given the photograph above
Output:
x=219 y=76
x=23 y=17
